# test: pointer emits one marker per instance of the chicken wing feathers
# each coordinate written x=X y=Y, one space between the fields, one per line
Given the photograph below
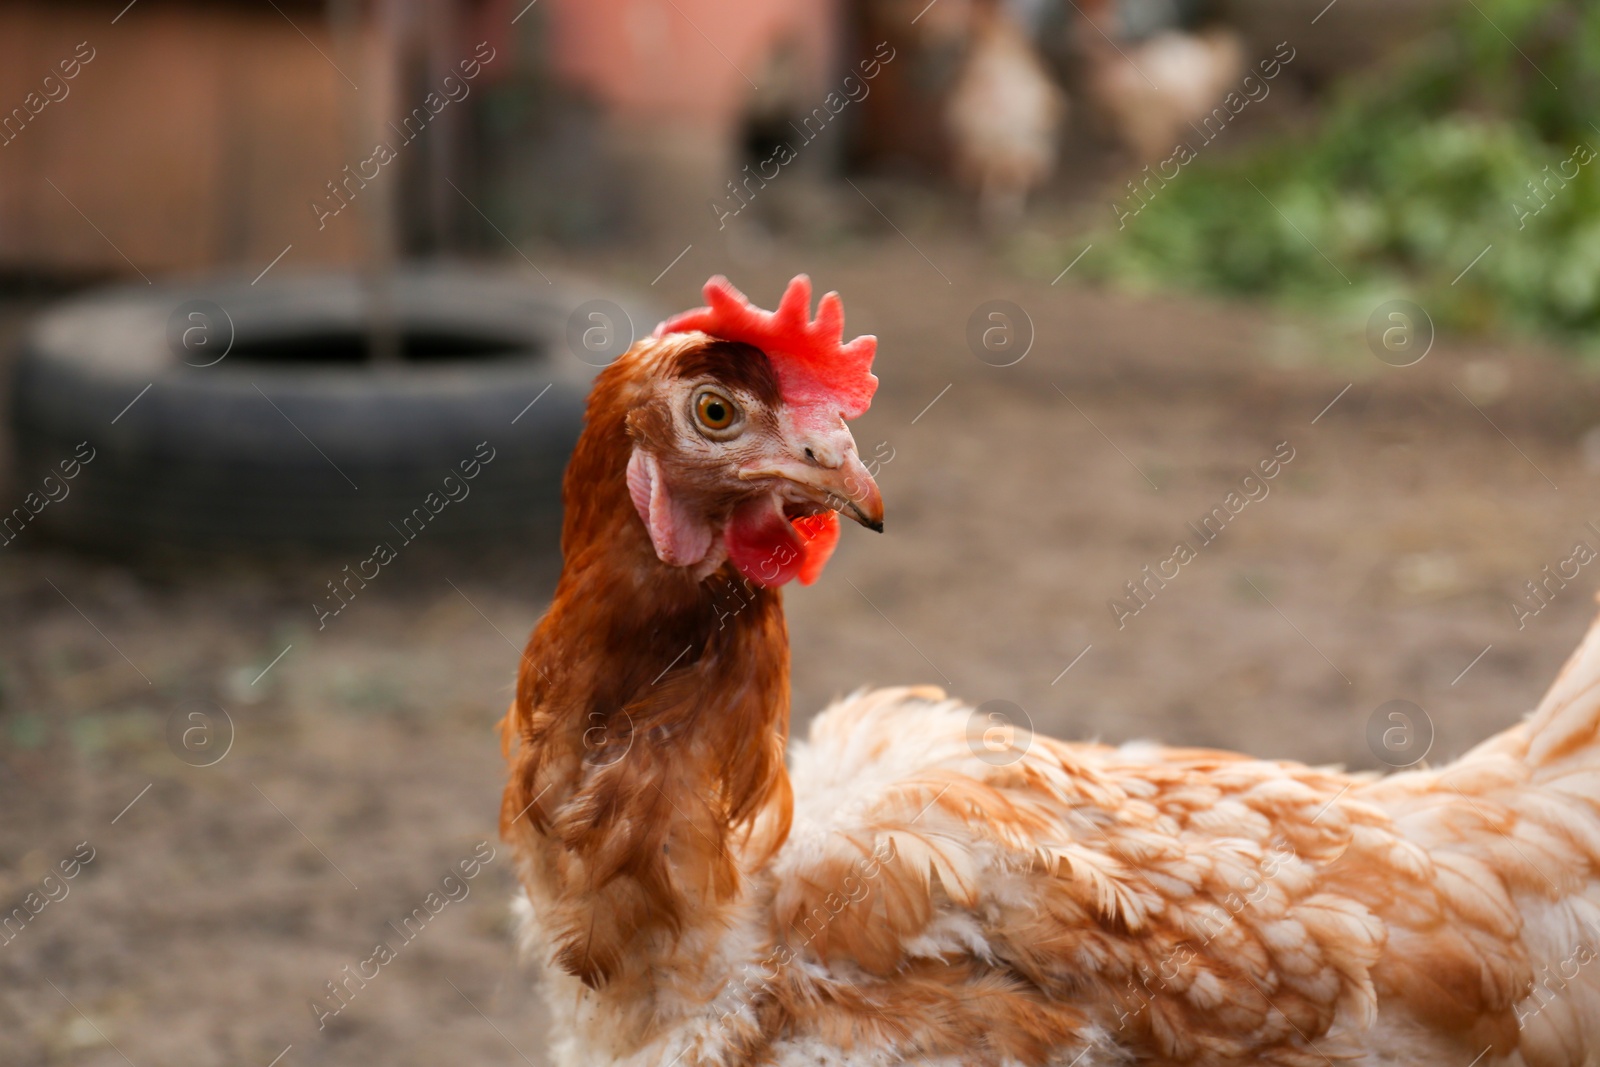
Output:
x=1200 y=907
x=1169 y=897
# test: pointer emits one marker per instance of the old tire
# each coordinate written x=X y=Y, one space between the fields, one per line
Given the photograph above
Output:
x=291 y=438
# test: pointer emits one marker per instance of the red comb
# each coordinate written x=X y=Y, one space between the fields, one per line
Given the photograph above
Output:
x=815 y=368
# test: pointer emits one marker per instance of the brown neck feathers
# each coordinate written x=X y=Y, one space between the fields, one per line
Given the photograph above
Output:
x=646 y=739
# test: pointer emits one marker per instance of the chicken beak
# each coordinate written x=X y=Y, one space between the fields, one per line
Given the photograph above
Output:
x=854 y=492
x=834 y=478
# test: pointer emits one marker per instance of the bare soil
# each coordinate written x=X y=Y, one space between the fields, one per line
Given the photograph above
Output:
x=1381 y=564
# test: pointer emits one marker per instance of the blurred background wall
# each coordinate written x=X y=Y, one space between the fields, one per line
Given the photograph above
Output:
x=191 y=120
x=595 y=119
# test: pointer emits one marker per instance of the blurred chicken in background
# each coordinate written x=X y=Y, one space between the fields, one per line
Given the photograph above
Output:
x=1148 y=92
x=1003 y=115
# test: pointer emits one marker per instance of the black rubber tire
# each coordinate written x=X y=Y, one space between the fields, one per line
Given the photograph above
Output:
x=266 y=452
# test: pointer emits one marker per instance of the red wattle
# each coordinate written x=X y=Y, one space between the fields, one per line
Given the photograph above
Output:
x=820 y=533
x=770 y=550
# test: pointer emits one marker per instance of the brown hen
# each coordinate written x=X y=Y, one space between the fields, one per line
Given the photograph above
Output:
x=899 y=896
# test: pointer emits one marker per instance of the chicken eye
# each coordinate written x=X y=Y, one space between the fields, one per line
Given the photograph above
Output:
x=715 y=411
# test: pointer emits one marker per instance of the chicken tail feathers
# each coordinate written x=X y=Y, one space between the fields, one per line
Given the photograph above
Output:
x=1563 y=733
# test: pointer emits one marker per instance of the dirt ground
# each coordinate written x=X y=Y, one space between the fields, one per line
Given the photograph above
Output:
x=1381 y=565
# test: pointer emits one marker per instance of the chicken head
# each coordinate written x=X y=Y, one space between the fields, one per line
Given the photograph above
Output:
x=740 y=449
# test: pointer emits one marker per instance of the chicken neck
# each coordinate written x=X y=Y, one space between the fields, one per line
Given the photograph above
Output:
x=647 y=735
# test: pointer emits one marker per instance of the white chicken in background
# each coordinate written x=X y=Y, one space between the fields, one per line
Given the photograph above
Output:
x=1003 y=115
x=1149 y=92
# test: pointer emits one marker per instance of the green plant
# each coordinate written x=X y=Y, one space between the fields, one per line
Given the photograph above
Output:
x=1406 y=181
